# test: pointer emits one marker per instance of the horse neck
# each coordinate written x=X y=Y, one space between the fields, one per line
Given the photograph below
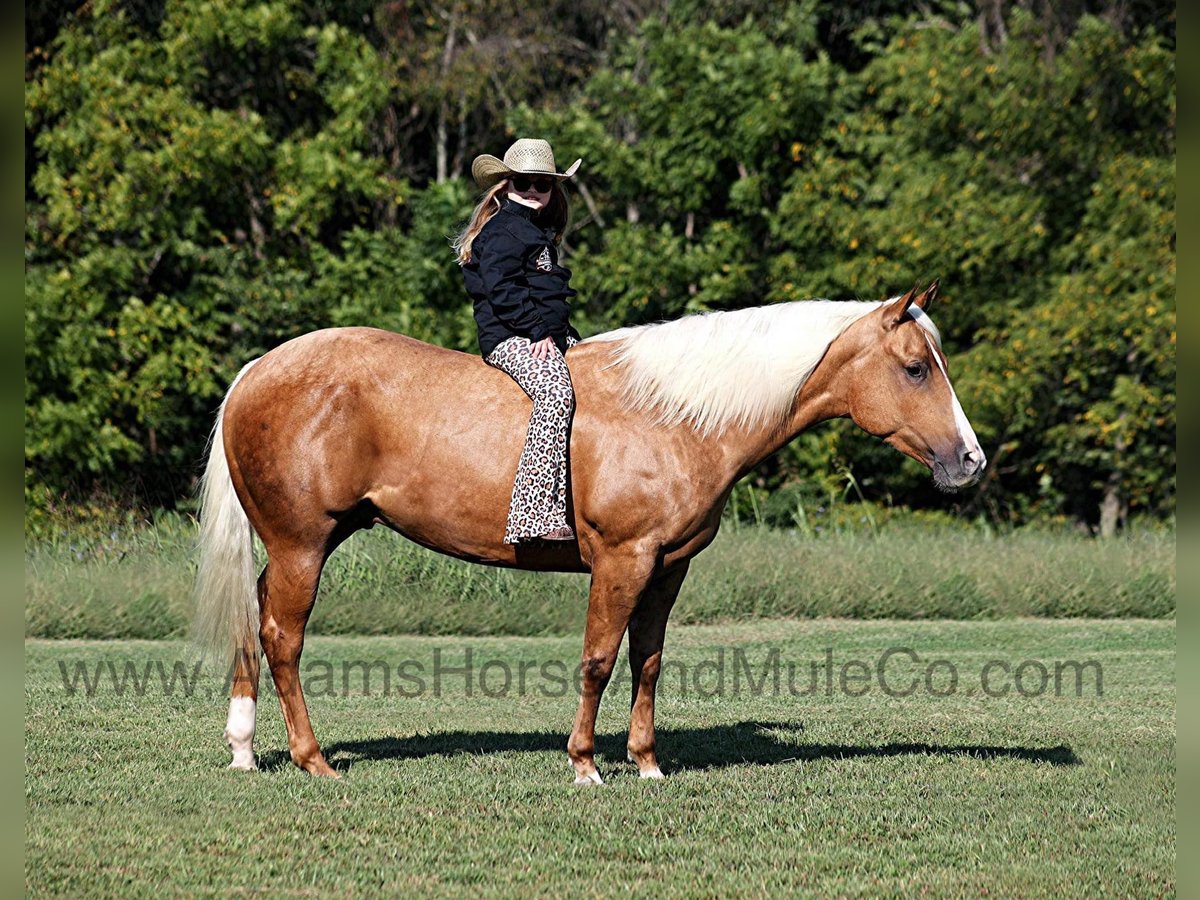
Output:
x=822 y=397
x=743 y=449
x=733 y=451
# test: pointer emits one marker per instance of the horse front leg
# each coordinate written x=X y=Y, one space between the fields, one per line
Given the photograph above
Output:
x=647 y=630
x=618 y=581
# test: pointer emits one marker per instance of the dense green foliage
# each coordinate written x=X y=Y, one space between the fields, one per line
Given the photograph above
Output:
x=207 y=180
x=845 y=793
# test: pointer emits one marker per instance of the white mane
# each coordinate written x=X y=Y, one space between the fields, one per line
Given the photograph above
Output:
x=743 y=367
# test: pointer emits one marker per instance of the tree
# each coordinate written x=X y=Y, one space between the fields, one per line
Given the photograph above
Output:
x=170 y=230
x=207 y=180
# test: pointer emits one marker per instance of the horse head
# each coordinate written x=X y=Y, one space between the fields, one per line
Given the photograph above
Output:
x=902 y=393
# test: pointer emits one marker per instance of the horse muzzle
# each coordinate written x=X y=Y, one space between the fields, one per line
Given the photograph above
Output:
x=953 y=472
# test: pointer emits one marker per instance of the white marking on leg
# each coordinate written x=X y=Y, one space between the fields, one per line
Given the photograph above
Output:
x=652 y=772
x=239 y=732
x=592 y=777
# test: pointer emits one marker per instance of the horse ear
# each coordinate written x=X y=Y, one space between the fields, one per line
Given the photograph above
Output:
x=930 y=294
x=893 y=312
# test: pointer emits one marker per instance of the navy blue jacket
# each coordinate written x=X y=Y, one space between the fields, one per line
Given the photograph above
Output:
x=516 y=282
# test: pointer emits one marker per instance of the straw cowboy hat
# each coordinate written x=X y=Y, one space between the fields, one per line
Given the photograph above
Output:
x=527 y=156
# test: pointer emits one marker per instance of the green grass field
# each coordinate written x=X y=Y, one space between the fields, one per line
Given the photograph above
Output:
x=825 y=793
x=136 y=583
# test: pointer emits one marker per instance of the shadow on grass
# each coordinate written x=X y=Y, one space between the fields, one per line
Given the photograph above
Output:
x=680 y=749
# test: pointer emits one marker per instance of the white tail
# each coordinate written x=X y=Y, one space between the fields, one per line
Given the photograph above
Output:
x=226 y=617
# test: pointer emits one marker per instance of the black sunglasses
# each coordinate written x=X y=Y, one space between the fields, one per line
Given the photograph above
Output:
x=522 y=183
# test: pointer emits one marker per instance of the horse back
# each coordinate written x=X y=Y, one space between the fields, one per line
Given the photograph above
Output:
x=349 y=420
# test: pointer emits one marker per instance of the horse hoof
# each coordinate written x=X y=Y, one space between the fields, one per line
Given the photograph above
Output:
x=655 y=773
x=316 y=766
x=244 y=763
x=590 y=778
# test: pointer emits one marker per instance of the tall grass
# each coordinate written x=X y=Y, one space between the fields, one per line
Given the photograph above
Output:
x=136 y=582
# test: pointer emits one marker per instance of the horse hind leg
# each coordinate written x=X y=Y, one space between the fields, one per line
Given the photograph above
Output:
x=243 y=698
x=287 y=601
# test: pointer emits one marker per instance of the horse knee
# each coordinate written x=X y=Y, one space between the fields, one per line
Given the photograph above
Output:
x=598 y=670
x=647 y=673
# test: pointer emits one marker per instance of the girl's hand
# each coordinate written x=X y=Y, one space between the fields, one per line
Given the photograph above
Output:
x=543 y=349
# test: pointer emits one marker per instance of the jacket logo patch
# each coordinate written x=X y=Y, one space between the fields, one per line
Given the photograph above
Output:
x=543 y=261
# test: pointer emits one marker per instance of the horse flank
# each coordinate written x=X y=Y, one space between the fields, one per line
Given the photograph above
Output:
x=732 y=368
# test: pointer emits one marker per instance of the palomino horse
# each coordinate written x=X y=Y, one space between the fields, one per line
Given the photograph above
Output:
x=342 y=429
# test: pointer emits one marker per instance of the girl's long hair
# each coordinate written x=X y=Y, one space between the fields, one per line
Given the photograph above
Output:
x=555 y=216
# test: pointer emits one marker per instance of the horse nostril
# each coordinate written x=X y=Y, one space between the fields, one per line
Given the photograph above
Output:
x=973 y=461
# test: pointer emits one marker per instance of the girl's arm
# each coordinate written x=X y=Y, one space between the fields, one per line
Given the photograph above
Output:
x=501 y=268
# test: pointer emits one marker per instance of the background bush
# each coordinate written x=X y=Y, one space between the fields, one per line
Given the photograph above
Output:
x=205 y=180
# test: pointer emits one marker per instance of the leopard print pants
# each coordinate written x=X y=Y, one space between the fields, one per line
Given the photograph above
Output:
x=539 y=499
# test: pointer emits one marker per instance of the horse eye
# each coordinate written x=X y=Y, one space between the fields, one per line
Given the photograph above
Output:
x=916 y=370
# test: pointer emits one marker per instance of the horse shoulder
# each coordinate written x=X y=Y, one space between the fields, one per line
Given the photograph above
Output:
x=626 y=469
